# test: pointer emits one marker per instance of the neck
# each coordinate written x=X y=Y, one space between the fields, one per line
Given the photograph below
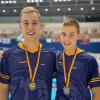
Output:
x=71 y=51
x=31 y=45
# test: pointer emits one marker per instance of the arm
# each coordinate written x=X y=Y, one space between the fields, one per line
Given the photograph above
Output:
x=4 y=91
x=96 y=93
x=94 y=79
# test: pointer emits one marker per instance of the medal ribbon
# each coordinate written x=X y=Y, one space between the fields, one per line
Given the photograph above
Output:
x=32 y=76
x=67 y=79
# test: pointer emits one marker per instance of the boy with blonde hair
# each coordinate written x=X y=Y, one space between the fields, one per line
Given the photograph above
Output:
x=26 y=70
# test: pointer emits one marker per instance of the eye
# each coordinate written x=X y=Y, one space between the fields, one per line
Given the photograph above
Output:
x=26 y=23
x=34 y=23
x=63 y=34
x=71 y=35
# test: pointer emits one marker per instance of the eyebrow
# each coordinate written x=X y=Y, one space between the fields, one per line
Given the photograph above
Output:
x=69 y=32
x=73 y=32
x=36 y=20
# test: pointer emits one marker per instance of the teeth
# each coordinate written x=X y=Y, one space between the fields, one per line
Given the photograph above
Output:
x=31 y=33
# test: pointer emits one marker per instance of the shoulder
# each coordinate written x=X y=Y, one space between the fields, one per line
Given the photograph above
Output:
x=12 y=50
x=59 y=55
x=86 y=56
x=48 y=51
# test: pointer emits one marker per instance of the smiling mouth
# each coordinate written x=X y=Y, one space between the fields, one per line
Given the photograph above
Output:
x=31 y=34
x=67 y=44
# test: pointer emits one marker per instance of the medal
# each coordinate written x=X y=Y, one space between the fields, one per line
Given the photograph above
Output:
x=66 y=90
x=32 y=86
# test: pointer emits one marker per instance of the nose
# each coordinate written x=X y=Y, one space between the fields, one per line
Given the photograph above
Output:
x=66 y=38
x=30 y=27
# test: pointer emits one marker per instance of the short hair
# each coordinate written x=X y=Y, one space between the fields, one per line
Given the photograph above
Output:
x=30 y=9
x=72 y=22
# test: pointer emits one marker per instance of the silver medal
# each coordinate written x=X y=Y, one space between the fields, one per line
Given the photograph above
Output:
x=66 y=90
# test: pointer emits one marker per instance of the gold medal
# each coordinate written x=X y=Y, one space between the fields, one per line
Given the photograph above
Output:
x=32 y=86
x=66 y=90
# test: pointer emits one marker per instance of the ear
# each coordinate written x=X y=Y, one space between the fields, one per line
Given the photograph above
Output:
x=78 y=35
x=42 y=25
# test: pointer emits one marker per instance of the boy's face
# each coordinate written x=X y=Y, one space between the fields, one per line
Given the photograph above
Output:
x=30 y=25
x=69 y=37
